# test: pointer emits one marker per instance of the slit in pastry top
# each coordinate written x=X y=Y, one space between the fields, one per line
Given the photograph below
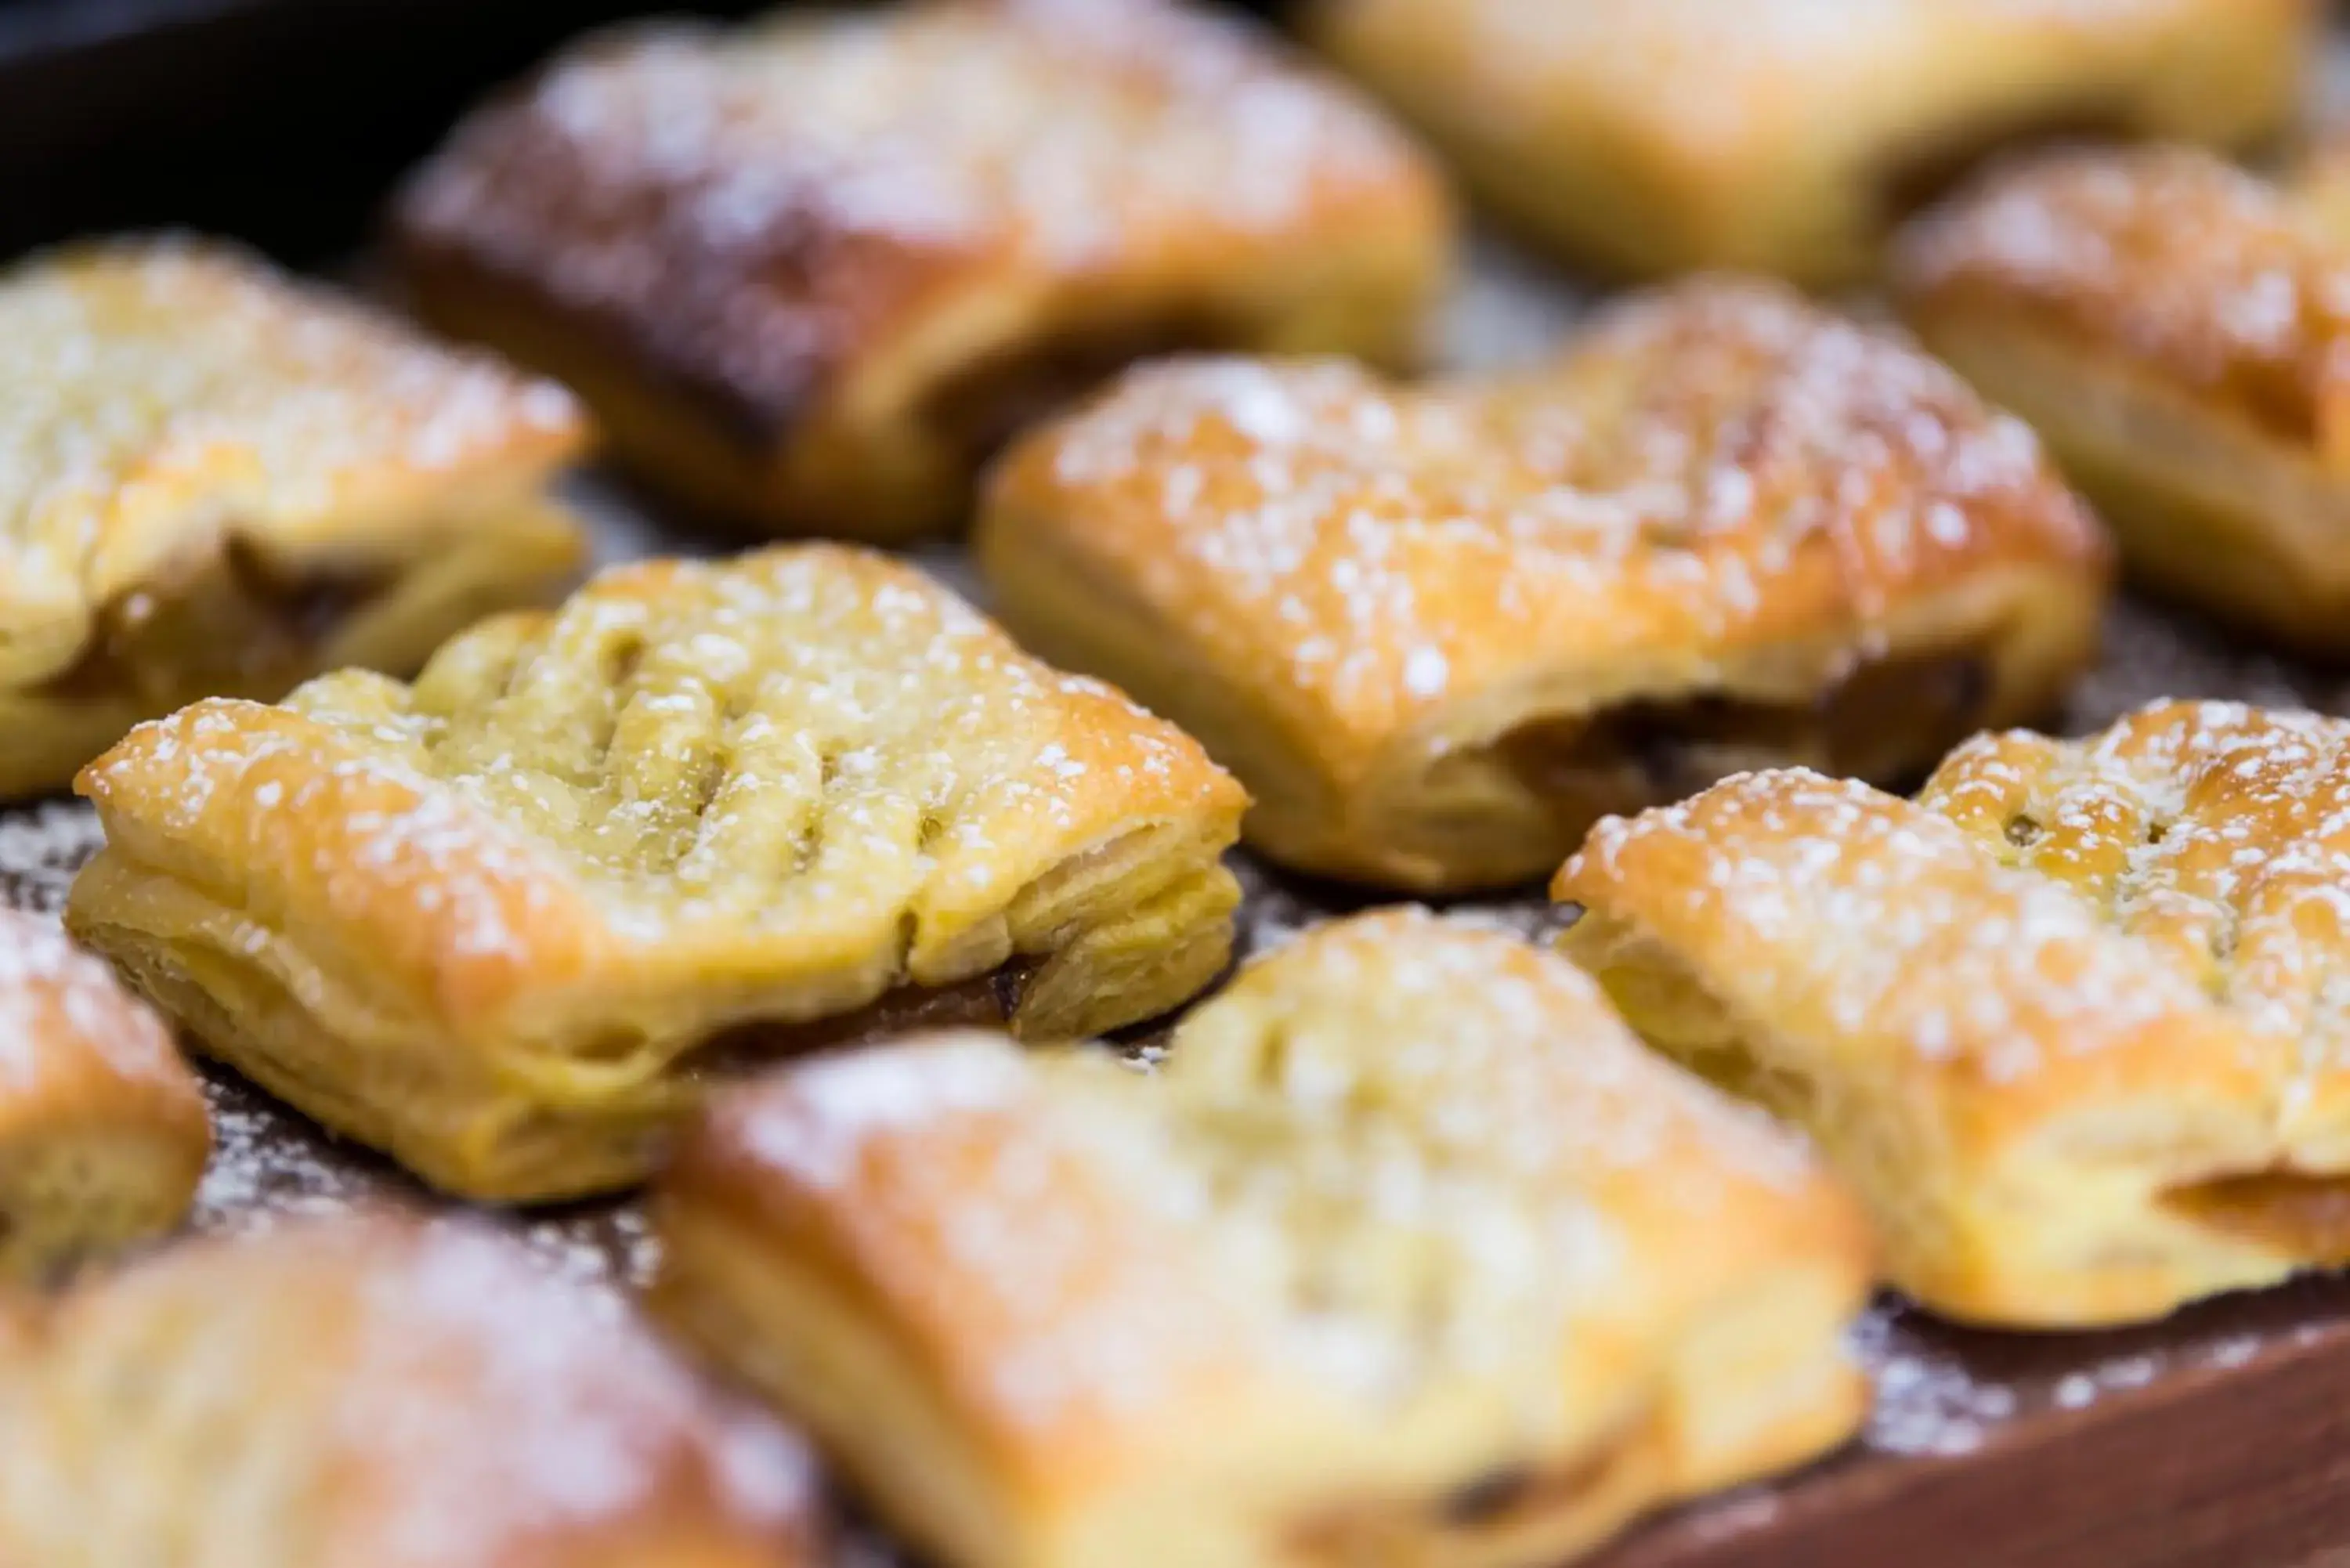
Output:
x=2072 y=1022
x=504 y=920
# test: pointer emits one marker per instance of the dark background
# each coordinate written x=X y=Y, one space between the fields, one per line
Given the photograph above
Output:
x=279 y=121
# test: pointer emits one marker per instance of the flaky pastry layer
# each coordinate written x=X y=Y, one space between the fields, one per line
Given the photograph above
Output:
x=103 y=1131
x=505 y=921
x=1789 y=136
x=215 y=481
x=811 y=271
x=376 y=1393
x=2180 y=331
x=2070 y=1023
x=1390 y=1260
x=1439 y=632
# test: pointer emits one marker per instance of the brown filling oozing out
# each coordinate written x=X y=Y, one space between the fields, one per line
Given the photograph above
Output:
x=2303 y=1216
x=1509 y=1498
x=230 y=623
x=1885 y=719
x=983 y=1002
x=1929 y=168
x=977 y=411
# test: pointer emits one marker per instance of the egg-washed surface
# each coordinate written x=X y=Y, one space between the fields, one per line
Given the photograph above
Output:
x=1940 y=1391
x=1395 y=1164
x=505 y=921
x=1785 y=135
x=215 y=480
x=2069 y=1022
x=811 y=271
x=1441 y=630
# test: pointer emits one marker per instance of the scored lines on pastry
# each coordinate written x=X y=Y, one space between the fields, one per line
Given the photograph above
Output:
x=1439 y=631
x=2073 y=1022
x=811 y=271
x=1407 y=1250
x=506 y=920
x=216 y=480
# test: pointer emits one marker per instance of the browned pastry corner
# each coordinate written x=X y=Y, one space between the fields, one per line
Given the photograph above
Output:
x=1790 y=135
x=213 y=480
x=2179 y=331
x=377 y=1393
x=505 y=923
x=2072 y=1023
x=103 y=1132
x=812 y=272
x=1439 y=632
x=1407 y=1253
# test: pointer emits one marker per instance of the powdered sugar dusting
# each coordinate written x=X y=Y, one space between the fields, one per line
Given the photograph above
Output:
x=132 y=373
x=1702 y=453
x=1409 y=1155
x=41 y=848
x=285 y=1164
x=2215 y=833
x=804 y=739
x=415 y=1385
x=2169 y=256
x=662 y=181
x=1896 y=925
x=64 y=1015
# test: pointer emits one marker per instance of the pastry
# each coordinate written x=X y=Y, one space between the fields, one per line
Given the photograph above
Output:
x=1439 y=632
x=506 y=921
x=216 y=480
x=1789 y=135
x=103 y=1133
x=1394 y=1259
x=376 y=1393
x=2070 y=1024
x=812 y=272
x=2179 y=331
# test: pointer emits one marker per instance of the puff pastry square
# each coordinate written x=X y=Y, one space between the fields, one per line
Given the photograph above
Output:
x=812 y=273
x=213 y=480
x=506 y=921
x=103 y=1132
x=1789 y=136
x=376 y=1393
x=2072 y=1024
x=1390 y=1261
x=2179 y=331
x=1439 y=632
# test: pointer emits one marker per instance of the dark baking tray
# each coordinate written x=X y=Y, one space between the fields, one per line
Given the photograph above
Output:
x=2219 y=1438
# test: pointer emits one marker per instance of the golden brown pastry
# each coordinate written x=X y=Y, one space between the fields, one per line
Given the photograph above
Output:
x=103 y=1132
x=1408 y=1253
x=2180 y=332
x=213 y=480
x=811 y=273
x=505 y=923
x=376 y=1393
x=1789 y=135
x=2071 y=1024
x=1439 y=633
